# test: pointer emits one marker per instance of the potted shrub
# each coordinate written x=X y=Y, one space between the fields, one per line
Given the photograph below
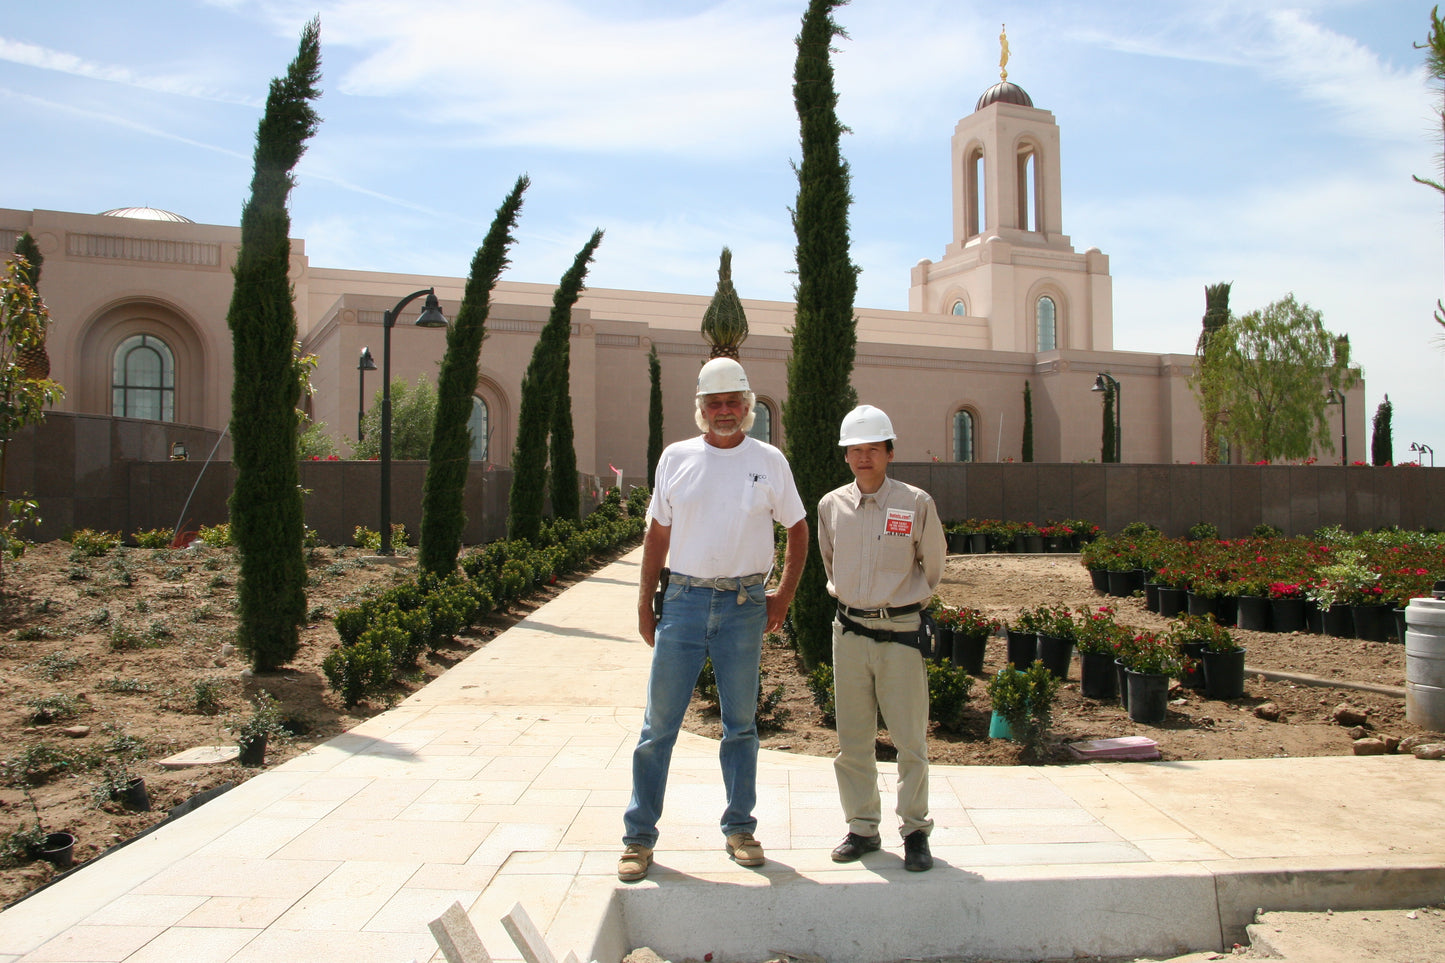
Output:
x=971 y=631
x=1223 y=658
x=33 y=842
x=1055 y=648
x=1191 y=635
x=1251 y=589
x=253 y=731
x=1096 y=636
x=1023 y=634
x=1024 y=701
x=1096 y=556
x=1286 y=606
x=1149 y=661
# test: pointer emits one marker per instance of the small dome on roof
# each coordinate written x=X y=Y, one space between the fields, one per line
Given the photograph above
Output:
x=147 y=214
x=1004 y=93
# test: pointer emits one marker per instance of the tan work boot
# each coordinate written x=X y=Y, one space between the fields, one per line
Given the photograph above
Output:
x=635 y=862
x=745 y=850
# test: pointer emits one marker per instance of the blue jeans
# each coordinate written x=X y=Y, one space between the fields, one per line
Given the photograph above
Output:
x=700 y=623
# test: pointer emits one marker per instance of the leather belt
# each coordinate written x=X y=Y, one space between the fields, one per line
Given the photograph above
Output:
x=883 y=613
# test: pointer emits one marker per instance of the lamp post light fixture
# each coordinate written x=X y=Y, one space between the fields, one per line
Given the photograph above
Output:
x=363 y=365
x=1422 y=448
x=1107 y=383
x=1338 y=398
x=431 y=317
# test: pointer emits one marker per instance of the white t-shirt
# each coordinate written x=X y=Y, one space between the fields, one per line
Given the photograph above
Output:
x=721 y=504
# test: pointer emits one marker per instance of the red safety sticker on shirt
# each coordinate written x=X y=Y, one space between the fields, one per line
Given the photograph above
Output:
x=899 y=522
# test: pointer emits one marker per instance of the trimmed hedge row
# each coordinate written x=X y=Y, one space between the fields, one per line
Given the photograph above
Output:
x=390 y=632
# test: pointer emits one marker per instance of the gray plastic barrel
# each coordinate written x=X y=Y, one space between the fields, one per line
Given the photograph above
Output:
x=1425 y=663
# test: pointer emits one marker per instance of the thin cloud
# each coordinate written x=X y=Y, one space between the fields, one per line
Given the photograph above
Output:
x=43 y=58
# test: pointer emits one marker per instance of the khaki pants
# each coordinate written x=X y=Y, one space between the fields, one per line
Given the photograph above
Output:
x=869 y=677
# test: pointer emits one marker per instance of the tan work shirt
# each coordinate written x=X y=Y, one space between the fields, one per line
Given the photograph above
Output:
x=883 y=549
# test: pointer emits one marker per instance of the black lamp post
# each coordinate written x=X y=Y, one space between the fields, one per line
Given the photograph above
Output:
x=364 y=365
x=1338 y=398
x=1106 y=383
x=431 y=317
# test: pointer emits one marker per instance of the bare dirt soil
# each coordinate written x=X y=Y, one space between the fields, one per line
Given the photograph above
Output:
x=138 y=646
x=97 y=653
x=1196 y=727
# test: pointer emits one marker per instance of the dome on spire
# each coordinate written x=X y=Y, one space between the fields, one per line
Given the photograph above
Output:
x=1004 y=92
x=147 y=214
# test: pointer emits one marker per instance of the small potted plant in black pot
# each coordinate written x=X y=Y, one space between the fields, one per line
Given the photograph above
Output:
x=253 y=731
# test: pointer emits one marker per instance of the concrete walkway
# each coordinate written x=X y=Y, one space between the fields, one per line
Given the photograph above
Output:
x=504 y=781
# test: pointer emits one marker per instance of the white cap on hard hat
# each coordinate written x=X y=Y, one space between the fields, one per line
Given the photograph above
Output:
x=863 y=425
x=720 y=376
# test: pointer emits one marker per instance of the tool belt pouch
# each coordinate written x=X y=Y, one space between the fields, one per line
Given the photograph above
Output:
x=663 y=578
x=922 y=639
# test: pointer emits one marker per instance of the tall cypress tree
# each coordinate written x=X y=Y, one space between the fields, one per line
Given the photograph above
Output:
x=529 y=459
x=33 y=359
x=654 y=416
x=825 y=336
x=1382 y=442
x=1108 y=452
x=1028 y=452
x=442 y=516
x=266 y=509
x=566 y=501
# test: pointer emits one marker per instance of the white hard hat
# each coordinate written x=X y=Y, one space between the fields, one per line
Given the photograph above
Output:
x=720 y=376
x=863 y=425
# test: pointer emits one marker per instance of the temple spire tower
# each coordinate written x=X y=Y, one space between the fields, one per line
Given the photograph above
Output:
x=1009 y=260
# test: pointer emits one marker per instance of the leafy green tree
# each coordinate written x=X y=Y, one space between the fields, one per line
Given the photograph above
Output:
x=1028 y=452
x=1275 y=366
x=449 y=457
x=825 y=333
x=724 y=325
x=23 y=399
x=1207 y=384
x=654 y=416
x=1382 y=445
x=539 y=393
x=413 y=422
x=266 y=509
x=314 y=441
x=1434 y=47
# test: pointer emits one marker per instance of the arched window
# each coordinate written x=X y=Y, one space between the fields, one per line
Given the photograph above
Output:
x=963 y=435
x=480 y=427
x=762 y=428
x=1047 y=331
x=960 y=309
x=143 y=379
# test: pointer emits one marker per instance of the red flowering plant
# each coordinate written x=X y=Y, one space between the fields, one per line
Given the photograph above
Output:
x=966 y=621
x=1148 y=654
x=1286 y=590
x=1096 y=632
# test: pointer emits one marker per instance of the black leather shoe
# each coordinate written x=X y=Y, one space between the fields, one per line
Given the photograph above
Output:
x=916 y=857
x=854 y=846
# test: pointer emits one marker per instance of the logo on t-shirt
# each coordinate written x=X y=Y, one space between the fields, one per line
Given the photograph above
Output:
x=899 y=522
x=758 y=478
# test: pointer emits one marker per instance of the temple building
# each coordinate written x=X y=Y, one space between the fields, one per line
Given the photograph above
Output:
x=139 y=297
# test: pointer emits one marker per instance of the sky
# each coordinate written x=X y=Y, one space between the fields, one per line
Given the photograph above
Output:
x=1271 y=145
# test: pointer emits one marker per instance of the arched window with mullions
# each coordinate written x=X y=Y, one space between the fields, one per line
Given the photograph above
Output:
x=143 y=380
x=762 y=428
x=1046 y=314
x=480 y=427
x=963 y=435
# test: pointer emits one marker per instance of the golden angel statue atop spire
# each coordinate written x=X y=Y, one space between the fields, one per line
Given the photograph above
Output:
x=1003 y=52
